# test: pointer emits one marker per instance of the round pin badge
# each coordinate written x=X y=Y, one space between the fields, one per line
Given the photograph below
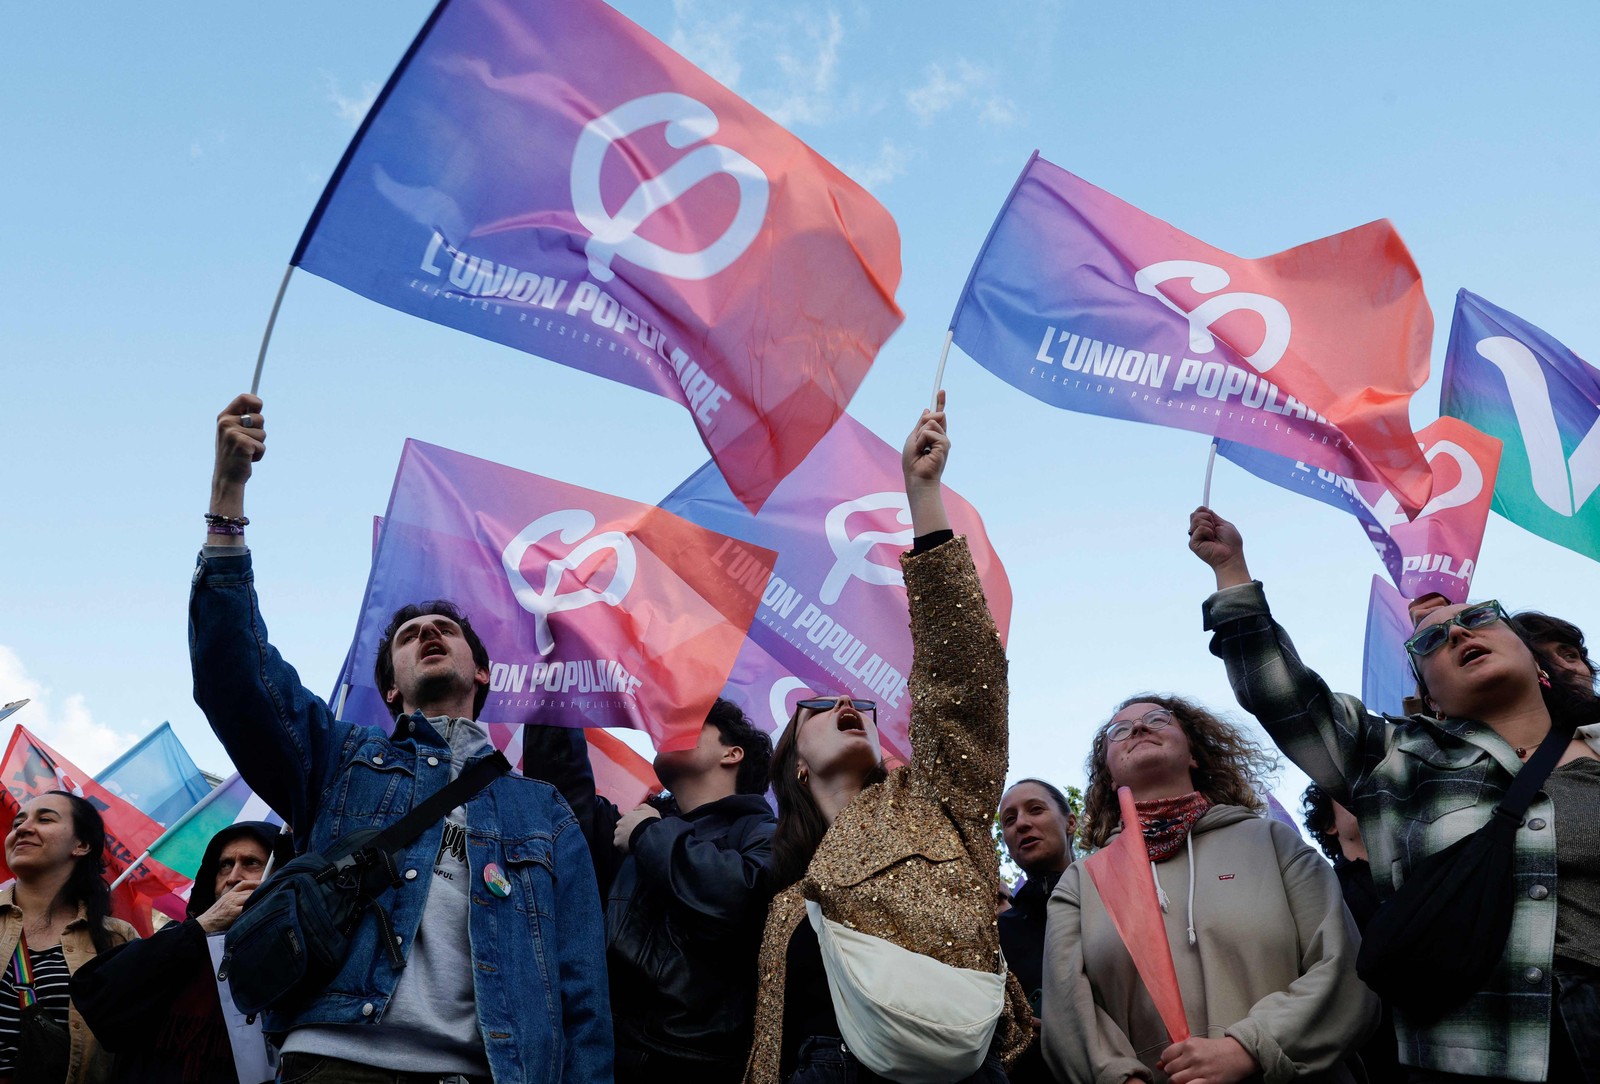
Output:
x=496 y=880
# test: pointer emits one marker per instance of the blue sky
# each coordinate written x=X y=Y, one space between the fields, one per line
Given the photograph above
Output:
x=161 y=165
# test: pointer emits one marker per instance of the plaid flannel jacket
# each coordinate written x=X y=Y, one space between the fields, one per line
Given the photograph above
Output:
x=1416 y=785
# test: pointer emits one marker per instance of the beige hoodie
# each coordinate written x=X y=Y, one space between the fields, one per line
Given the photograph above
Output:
x=1271 y=961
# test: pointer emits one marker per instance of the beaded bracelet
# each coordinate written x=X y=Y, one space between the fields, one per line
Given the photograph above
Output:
x=225 y=528
x=217 y=519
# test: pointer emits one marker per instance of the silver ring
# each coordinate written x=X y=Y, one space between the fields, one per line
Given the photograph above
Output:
x=244 y=420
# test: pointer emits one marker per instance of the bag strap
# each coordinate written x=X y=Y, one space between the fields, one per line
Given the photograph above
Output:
x=1519 y=796
x=442 y=801
x=22 y=972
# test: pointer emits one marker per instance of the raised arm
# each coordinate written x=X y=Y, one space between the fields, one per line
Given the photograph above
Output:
x=1330 y=736
x=280 y=734
x=958 y=670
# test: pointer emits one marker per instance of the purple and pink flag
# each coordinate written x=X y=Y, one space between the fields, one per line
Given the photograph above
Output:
x=621 y=776
x=1437 y=551
x=597 y=611
x=1088 y=303
x=833 y=613
x=551 y=177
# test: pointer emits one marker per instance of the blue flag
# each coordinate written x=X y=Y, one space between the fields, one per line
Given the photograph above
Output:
x=1386 y=678
x=1514 y=381
x=156 y=777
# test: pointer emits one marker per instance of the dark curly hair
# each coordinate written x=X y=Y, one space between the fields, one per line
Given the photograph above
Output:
x=735 y=729
x=1232 y=769
x=1316 y=813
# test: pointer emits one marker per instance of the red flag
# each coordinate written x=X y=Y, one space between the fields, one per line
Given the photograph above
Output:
x=621 y=776
x=1121 y=874
x=31 y=768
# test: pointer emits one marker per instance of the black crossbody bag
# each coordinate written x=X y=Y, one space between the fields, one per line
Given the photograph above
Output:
x=1437 y=941
x=292 y=937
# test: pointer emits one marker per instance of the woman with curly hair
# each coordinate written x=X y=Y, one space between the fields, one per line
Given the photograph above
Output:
x=53 y=919
x=903 y=856
x=1262 y=944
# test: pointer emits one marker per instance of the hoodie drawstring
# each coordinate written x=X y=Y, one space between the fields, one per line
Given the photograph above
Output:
x=1161 y=893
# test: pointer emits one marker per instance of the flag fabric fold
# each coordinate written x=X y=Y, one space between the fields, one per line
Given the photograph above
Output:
x=183 y=845
x=1516 y=382
x=1087 y=303
x=1386 y=678
x=551 y=177
x=1437 y=551
x=157 y=776
x=621 y=776
x=832 y=617
x=1121 y=874
x=596 y=611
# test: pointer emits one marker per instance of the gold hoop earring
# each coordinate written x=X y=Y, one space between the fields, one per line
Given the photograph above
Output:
x=802 y=776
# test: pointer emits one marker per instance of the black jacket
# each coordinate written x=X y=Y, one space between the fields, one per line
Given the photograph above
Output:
x=684 y=911
x=684 y=916
x=1022 y=942
x=154 y=1002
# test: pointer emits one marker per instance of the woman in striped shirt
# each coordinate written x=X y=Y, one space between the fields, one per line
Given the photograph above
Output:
x=52 y=919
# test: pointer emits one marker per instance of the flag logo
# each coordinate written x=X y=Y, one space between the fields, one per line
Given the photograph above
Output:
x=1563 y=484
x=687 y=121
x=783 y=690
x=852 y=553
x=1205 y=278
x=542 y=602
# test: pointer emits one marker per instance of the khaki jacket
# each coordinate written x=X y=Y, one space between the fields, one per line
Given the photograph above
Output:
x=1272 y=964
x=88 y=1063
x=911 y=859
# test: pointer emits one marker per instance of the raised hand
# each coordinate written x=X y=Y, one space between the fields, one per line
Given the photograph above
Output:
x=1218 y=543
x=241 y=442
x=923 y=460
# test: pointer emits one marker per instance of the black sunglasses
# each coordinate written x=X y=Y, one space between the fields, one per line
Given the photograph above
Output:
x=1434 y=637
x=830 y=702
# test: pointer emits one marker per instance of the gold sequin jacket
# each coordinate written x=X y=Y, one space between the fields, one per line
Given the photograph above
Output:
x=911 y=859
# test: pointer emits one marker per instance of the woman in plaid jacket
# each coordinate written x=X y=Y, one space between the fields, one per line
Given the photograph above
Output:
x=1417 y=784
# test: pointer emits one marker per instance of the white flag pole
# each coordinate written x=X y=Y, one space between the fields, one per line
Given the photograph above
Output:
x=938 y=377
x=1211 y=461
x=272 y=319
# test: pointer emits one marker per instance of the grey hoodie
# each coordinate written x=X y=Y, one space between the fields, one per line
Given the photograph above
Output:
x=1271 y=963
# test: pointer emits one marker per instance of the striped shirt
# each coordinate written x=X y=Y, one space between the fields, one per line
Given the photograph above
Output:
x=1416 y=785
x=51 y=984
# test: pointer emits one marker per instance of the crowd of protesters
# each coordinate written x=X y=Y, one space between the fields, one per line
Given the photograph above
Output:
x=533 y=931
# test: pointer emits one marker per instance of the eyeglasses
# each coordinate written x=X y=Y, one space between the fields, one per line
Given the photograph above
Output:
x=828 y=703
x=1434 y=637
x=1158 y=719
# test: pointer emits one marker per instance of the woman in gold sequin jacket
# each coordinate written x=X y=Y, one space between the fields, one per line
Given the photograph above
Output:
x=905 y=855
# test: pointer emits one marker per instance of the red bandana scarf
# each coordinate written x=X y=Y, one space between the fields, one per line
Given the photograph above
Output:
x=1166 y=822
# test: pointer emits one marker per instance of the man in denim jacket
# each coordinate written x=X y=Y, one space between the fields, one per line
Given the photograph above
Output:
x=497 y=917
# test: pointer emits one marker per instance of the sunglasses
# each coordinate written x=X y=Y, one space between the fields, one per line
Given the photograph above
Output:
x=828 y=703
x=1158 y=719
x=1434 y=637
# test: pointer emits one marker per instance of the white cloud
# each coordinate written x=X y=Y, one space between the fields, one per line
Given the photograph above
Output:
x=808 y=96
x=969 y=84
x=63 y=722
x=796 y=81
x=890 y=163
x=351 y=110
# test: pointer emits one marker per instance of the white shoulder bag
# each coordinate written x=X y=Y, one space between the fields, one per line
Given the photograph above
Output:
x=904 y=1015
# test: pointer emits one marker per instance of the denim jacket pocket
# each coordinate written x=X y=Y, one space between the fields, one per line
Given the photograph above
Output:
x=530 y=866
x=376 y=787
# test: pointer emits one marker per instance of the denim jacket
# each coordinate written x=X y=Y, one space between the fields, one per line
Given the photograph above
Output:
x=538 y=955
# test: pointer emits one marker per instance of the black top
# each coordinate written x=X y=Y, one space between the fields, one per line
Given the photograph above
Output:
x=1022 y=941
x=50 y=985
x=807 y=1004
